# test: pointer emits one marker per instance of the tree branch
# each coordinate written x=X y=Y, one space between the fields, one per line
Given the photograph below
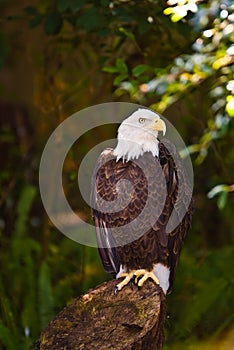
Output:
x=132 y=319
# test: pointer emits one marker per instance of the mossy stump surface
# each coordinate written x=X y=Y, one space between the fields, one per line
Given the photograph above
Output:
x=131 y=319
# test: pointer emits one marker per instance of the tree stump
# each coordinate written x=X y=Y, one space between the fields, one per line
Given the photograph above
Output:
x=131 y=319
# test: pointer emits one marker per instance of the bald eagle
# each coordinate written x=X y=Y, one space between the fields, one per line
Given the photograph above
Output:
x=141 y=203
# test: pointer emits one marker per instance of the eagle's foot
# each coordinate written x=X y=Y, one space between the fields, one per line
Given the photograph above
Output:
x=135 y=276
x=129 y=278
x=145 y=275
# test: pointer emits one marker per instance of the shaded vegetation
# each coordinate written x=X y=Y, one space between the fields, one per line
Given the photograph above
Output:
x=57 y=57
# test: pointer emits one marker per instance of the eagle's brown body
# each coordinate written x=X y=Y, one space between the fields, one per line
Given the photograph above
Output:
x=159 y=185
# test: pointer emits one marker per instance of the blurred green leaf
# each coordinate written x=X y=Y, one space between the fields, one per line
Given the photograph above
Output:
x=140 y=69
x=6 y=338
x=121 y=66
x=119 y=79
x=36 y=16
x=105 y=3
x=46 y=300
x=35 y=21
x=75 y=5
x=91 y=19
x=128 y=33
x=110 y=69
x=23 y=207
x=7 y=312
x=222 y=200
x=31 y=10
x=62 y=5
x=53 y=23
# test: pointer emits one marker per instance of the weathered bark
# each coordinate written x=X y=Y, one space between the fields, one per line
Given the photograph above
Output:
x=132 y=319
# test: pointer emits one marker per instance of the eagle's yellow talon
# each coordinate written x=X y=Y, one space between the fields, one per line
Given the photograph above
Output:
x=146 y=276
x=127 y=279
x=135 y=274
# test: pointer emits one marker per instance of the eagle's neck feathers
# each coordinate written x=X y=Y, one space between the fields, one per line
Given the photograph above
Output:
x=127 y=149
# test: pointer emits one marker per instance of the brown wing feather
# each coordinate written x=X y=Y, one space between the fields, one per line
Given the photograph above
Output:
x=180 y=204
x=152 y=180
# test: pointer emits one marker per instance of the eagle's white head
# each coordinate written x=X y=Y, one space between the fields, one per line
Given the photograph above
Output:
x=138 y=134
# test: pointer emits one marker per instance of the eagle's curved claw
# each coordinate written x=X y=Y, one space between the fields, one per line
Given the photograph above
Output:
x=116 y=289
x=132 y=281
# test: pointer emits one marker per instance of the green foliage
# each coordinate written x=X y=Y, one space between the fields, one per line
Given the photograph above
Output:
x=73 y=5
x=23 y=207
x=33 y=286
x=202 y=287
x=230 y=105
x=180 y=10
x=19 y=262
x=53 y=23
x=36 y=17
x=139 y=70
x=6 y=338
x=210 y=60
x=46 y=299
x=90 y=20
x=222 y=192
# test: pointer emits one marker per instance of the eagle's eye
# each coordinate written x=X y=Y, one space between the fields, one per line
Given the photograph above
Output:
x=141 y=120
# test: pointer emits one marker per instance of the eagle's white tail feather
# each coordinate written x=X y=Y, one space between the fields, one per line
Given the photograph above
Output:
x=162 y=273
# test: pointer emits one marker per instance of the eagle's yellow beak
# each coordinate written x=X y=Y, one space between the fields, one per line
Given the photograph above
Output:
x=159 y=125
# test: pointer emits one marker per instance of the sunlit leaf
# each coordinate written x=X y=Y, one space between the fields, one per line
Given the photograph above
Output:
x=222 y=200
x=217 y=190
x=222 y=62
x=230 y=105
x=168 y=11
x=110 y=69
x=177 y=12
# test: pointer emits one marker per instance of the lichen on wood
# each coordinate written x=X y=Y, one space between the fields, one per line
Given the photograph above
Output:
x=131 y=319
